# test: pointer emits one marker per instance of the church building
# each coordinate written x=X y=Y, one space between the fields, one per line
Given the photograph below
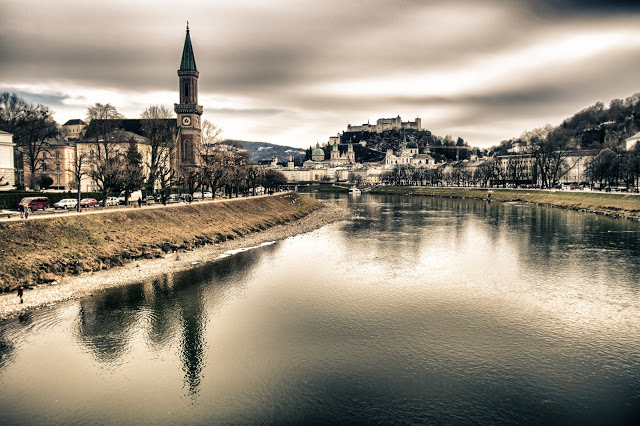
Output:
x=186 y=129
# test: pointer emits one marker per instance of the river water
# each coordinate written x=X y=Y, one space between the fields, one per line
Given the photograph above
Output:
x=416 y=310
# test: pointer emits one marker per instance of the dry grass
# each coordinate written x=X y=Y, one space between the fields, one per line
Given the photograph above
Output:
x=43 y=250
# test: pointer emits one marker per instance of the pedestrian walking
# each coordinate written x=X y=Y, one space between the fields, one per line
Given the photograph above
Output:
x=20 y=293
x=139 y=202
x=24 y=211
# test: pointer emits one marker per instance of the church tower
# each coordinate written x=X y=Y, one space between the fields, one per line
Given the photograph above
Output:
x=188 y=110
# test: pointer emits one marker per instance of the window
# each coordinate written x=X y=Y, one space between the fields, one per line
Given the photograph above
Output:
x=186 y=91
x=187 y=149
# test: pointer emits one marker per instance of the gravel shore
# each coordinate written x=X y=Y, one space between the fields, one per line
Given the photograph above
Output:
x=78 y=286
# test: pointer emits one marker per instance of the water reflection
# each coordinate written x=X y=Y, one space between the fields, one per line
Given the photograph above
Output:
x=6 y=350
x=106 y=323
x=170 y=308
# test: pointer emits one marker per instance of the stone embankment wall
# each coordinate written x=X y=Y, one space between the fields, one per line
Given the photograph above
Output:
x=618 y=205
x=40 y=251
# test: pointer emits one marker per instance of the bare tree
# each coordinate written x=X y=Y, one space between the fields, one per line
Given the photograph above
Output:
x=272 y=180
x=552 y=155
x=159 y=128
x=78 y=171
x=31 y=125
x=105 y=156
x=210 y=133
x=253 y=178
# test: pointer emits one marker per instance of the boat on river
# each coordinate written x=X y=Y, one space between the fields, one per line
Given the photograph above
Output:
x=354 y=190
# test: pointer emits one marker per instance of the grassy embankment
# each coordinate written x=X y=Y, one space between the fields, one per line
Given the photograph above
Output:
x=620 y=205
x=39 y=251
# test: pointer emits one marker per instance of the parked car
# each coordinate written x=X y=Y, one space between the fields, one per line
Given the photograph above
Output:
x=110 y=201
x=150 y=199
x=88 y=202
x=197 y=195
x=66 y=203
x=34 y=203
x=173 y=198
x=207 y=194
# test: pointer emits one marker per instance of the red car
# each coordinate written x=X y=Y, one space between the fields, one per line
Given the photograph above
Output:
x=88 y=202
x=34 y=203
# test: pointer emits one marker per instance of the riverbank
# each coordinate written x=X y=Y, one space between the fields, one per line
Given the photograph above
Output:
x=41 y=251
x=84 y=284
x=617 y=205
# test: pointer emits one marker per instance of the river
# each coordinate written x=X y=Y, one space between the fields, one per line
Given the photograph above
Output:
x=416 y=310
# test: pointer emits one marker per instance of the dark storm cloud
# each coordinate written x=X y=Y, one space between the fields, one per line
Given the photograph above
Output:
x=584 y=7
x=52 y=101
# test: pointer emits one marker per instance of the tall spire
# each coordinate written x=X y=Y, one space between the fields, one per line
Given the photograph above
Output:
x=188 y=62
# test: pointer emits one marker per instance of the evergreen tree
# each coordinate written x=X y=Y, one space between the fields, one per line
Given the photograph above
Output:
x=132 y=173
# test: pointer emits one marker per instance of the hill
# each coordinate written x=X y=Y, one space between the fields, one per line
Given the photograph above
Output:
x=263 y=151
x=442 y=148
x=593 y=128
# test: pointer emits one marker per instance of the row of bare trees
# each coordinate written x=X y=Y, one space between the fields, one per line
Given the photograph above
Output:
x=222 y=167
x=31 y=125
x=612 y=169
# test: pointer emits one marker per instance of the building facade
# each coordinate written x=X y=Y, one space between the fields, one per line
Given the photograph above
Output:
x=408 y=154
x=73 y=129
x=7 y=168
x=93 y=153
x=56 y=160
x=339 y=159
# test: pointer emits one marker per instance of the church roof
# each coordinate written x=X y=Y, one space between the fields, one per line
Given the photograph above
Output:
x=188 y=62
x=317 y=151
x=132 y=125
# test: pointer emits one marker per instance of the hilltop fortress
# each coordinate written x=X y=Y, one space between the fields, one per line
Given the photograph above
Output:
x=384 y=124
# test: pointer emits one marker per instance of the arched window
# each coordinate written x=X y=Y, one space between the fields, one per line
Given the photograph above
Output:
x=187 y=149
x=186 y=91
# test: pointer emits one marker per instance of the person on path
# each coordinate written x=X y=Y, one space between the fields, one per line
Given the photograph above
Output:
x=24 y=211
x=140 y=202
x=20 y=293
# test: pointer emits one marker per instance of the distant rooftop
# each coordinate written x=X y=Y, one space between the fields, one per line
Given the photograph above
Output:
x=74 y=122
x=132 y=125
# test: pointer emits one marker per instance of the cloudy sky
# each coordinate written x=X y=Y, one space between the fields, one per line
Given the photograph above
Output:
x=295 y=72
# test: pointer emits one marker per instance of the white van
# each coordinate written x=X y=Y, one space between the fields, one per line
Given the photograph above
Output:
x=133 y=197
